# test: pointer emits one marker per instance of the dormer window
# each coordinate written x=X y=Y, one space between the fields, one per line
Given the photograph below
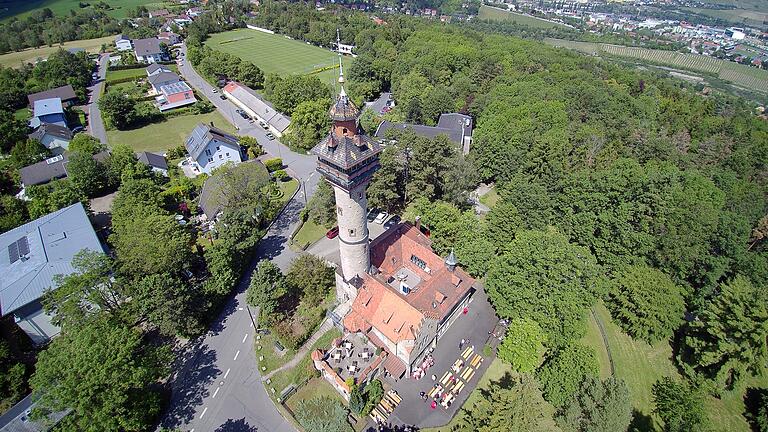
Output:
x=419 y=262
x=344 y=131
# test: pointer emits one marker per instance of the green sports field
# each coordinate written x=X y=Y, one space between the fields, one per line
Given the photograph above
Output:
x=277 y=54
x=20 y=9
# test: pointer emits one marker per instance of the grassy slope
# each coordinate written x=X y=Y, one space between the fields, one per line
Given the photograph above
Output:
x=15 y=59
x=165 y=135
x=641 y=364
x=309 y=233
x=495 y=14
x=20 y=9
x=274 y=53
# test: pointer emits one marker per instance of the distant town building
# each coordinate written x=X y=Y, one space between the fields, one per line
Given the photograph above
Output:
x=210 y=148
x=162 y=78
x=169 y=38
x=160 y=13
x=48 y=111
x=175 y=95
x=65 y=93
x=50 y=169
x=36 y=253
x=735 y=33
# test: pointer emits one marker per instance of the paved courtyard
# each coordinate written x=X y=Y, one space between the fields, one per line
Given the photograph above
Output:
x=475 y=325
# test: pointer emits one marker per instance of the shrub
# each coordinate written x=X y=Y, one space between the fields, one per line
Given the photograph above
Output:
x=281 y=175
x=273 y=164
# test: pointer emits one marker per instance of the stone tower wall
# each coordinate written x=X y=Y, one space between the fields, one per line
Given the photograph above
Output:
x=351 y=211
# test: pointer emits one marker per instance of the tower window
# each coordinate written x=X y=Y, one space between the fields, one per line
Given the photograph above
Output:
x=338 y=210
x=351 y=232
x=360 y=195
x=344 y=131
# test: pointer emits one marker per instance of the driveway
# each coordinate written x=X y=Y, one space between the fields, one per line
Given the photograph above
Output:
x=95 y=122
x=378 y=104
x=217 y=385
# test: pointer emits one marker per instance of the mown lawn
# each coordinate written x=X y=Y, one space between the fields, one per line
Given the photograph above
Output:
x=120 y=8
x=495 y=372
x=496 y=14
x=316 y=387
x=16 y=59
x=640 y=365
x=133 y=73
x=275 y=53
x=309 y=233
x=171 y=133
x=491 y=198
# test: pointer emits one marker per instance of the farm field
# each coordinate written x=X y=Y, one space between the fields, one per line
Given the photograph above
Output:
x=641 y=364
x=120 y=8
x=741 y=75
x=496 y=14
x=16 y=59
x=277 y=54
x=165 y=135
x=735 y=16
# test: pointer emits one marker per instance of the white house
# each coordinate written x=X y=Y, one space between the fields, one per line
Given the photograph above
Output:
x=123 y=43
x=54 y=137
x=210 y=148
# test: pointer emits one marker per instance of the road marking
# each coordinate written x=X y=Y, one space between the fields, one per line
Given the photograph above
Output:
x=237 y=354
x=226 y=373
x=216 y=392
x=204 y=411
x=244 y=338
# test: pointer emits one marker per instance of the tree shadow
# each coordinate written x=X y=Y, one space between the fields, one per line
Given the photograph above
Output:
x=754 y=399
x=640 y=422
x=236 y=426
x=196 y=366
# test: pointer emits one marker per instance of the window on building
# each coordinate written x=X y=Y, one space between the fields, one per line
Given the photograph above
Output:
x=210 y=159
x=207 y=152
x=221 y=157
x=360 y=195
x=217 y=148
x=419 y=262
x=227 y=154
x=351 y=232
x=338 y=210
x=344 y=131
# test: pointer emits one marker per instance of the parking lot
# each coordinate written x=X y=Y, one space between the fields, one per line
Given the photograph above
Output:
x=328 y=249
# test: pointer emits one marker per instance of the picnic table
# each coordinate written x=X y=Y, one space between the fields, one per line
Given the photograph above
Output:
x=435 y=390
x=465 y=355
x=476 y=360
x=446 y=378
x=394 y=396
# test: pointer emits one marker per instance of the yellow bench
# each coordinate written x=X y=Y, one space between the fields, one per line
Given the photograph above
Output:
x=471 y=374
x=466 y=373
x=395 y=397
x=466 y=353
x=476 y=360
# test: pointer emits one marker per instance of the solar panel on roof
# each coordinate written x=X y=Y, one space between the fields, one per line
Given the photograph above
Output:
x=23 y=246
x=13 y=252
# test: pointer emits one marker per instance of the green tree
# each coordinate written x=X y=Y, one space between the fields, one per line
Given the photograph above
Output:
x=321 y=208
x=564 y=371
x=523 y=345
x=85 y=143
x=311 y=278
x=679 y=406
x=503 y=222
x=544 y=277
x=12 y=130
x=289 y=92
x=598 y=406
x=104 y=373
x=13 y=212
x=154 y=244
x=266 y=287
x=27 y=152
x=87 y=175
x=646 y=303
x=520 y=407
x=356 y=401
x=322 y=414
x=53 y=196
x=119 y=109
x=309 y=124
x=121 y=160
x=729 y=341
x=173 y=306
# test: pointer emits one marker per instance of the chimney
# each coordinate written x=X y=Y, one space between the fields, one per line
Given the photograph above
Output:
x=417 y=222
x=332 y=142
x=212 y=124
x=450 y=261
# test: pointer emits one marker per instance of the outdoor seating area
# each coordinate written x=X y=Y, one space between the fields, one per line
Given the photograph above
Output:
x=351 y=355
x=453 y=381
x=381 y=412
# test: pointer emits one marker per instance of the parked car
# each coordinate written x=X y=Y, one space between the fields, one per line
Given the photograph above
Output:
x=270 y=136
x=263 y=125
x=332 y=233
x=381 y=217
x=222 y=97
x=215 y=90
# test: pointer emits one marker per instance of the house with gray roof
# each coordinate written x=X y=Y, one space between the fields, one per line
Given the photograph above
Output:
x=457 y=127
x=156 y=68
x=53 y=168
x=148 y=50
x=160 y=79
x=31 y=256
x=249 y=101
x=210 y=148
x=48 y=111
x=154 y=161
x=65 y=93
x=54 y=137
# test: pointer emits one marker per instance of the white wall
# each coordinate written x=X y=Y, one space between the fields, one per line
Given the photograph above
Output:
x=38 y=326
x=351 y=211
x=218 y=157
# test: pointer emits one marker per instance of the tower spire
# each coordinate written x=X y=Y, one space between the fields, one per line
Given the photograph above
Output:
x=342 y=93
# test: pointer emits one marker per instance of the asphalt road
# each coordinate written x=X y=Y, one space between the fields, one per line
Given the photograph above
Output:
x=217 y=386
x=95 y=122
